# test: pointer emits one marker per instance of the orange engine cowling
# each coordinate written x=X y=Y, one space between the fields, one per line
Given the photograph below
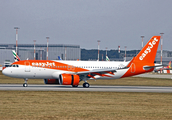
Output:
x=51 y=81
x=69 y=79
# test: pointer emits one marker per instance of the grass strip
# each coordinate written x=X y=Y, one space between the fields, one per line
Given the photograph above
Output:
x=84 y=105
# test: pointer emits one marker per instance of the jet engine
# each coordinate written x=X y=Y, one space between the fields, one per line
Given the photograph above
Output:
x=69 y=79
x=51 y=81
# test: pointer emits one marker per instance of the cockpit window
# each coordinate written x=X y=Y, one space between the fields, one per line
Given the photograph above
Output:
x=13 y=66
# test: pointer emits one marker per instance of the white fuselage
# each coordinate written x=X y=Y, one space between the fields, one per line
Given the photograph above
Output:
x=53 y=72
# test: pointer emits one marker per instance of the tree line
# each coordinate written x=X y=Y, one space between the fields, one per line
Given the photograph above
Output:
x=112 y=54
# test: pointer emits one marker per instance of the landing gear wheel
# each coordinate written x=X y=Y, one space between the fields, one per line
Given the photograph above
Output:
x=86 y=85
x=25 y=85
x=74 y=85
x=25 y=82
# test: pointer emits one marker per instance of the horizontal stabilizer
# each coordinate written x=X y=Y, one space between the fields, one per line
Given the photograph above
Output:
x=149 y=67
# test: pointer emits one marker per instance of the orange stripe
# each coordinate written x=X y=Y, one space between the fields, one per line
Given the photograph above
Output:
x=50 y=65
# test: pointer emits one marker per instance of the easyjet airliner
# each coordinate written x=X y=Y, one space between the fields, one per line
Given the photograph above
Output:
x=72 y=72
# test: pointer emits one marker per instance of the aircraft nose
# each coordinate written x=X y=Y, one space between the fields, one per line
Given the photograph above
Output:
x=5 y=71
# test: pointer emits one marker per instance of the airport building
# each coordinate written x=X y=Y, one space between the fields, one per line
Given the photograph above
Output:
x=26 y=51
x=68 y=52
x=166 y=57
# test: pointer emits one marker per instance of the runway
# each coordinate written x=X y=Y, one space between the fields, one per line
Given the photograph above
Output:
x=36 y=87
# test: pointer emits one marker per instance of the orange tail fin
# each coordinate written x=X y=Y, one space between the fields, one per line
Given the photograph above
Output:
x=145 y=57
x=148 y=53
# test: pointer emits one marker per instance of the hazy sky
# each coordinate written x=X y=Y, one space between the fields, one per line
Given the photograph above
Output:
x=83 y=22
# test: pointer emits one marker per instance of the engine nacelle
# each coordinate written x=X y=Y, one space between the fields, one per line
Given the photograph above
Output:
x=69 y=79
x=51 y=81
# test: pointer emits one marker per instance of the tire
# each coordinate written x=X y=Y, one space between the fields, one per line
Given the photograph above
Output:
x=86 y=85
x=25 y=85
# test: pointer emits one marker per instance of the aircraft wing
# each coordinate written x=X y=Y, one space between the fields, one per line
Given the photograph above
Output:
x=100 y=72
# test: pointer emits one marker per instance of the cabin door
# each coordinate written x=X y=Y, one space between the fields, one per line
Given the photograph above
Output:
x=133 y=68
x=27 y=66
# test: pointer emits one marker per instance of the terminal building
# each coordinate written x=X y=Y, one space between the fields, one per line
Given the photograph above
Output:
x=66 y=52
x=26 y=51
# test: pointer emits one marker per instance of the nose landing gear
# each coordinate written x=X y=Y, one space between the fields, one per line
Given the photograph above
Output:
x=25 y=84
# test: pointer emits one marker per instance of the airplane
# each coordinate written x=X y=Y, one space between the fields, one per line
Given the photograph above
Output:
x=163 y=67
x=107 y=58
x=72 y=72
x=16 y=57
x=168 y=67
x=59 y=58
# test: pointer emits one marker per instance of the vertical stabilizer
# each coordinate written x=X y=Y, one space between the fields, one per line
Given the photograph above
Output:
x=144 y=61
x=148 y=53
x=16 y=58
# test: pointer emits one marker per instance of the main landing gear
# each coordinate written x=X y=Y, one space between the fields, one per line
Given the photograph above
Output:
x=86 y=85
x=25 y=82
